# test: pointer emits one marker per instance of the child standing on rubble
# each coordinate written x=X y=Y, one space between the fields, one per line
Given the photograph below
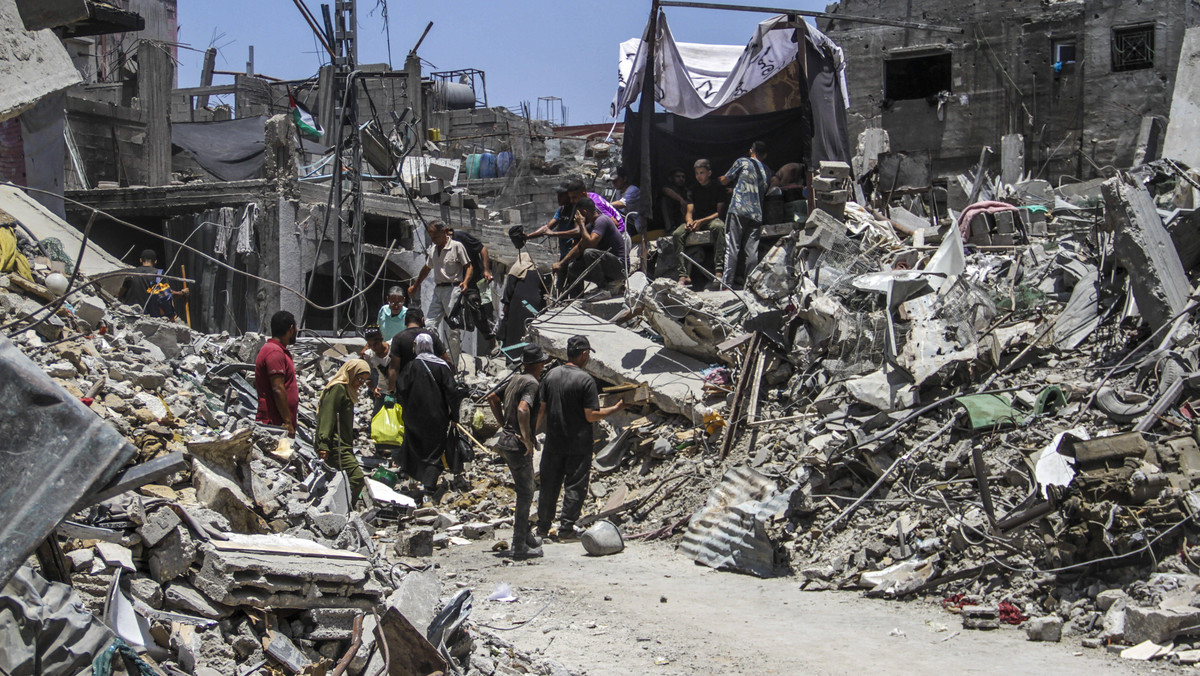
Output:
x=335 y=422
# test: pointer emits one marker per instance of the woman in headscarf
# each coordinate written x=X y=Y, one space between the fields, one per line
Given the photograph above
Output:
x=425 y=388
x=335 y=421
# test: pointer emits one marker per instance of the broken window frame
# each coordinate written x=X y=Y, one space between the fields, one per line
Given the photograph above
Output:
x=1056 y=49
x=1132 y=48
x=926 y=89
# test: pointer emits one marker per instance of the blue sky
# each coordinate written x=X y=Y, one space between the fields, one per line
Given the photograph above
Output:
x=528 y=48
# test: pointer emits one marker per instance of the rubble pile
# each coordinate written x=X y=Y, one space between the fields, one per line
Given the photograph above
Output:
x=908 y=410
x=223 y=547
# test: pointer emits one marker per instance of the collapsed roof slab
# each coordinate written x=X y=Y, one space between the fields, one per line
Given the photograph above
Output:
x=32 y=64
x=620 y=356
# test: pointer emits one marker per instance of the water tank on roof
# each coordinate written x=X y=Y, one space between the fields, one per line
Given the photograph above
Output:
x=458 y=96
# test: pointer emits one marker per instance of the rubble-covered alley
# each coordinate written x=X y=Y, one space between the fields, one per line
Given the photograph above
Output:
x=929 y=400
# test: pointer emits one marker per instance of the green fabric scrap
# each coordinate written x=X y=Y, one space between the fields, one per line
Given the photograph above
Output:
x=988 y=410
x=993 y=410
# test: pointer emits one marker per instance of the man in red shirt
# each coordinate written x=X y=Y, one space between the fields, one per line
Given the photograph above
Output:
x=275 y=376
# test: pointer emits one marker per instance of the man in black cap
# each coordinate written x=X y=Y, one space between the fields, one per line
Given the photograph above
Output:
x=570 y=404
x=517 y=443
x=147 y=289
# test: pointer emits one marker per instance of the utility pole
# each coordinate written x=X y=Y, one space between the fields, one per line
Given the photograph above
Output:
x=345 y=62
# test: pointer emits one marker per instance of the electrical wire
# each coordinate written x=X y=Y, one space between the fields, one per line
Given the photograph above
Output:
x=1115 y=557
x=219 y=263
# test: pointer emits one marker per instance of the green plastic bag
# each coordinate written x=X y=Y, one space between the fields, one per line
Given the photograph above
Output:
x=387 y=427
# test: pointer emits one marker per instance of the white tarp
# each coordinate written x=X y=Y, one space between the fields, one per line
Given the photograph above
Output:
x=693 y=80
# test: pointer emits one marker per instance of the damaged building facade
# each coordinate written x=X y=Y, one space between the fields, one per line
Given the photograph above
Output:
x=1063 y=89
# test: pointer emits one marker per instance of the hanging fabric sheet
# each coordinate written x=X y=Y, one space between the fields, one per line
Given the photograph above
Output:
x=693 y=80
x=245 y=233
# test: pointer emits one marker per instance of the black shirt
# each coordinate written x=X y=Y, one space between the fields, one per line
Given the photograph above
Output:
x=566 y=392
x=404 y=344
x=474 y=249
x=705 y=198
x=523 y=387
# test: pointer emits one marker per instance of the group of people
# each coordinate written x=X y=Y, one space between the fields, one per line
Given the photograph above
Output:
x=590 y=230
x=565 y=404
x=419 y=379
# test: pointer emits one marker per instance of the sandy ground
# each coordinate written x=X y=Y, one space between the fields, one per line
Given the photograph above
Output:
x=649 y=610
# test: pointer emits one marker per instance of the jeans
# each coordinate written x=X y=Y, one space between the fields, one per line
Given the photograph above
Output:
x=741 y=235
x=717 y=227
x=444 y=298
x=521 y=466
x=569 y=473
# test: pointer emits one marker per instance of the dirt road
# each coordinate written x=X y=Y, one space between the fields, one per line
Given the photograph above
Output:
x=649 y=610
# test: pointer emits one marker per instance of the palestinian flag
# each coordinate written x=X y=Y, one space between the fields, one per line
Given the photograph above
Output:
x=305 y=122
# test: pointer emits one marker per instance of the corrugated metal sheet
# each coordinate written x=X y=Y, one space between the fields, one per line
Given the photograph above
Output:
x=729 y=531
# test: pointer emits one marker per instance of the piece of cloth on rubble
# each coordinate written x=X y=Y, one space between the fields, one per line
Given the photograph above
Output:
x=11 y=258
x=987 y=411
x=990 y=207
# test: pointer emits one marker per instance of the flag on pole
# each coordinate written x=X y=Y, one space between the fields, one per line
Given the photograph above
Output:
x=305 y=121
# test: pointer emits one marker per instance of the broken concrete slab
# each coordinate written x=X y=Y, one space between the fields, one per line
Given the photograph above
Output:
x=620 y=356
x=1047 y=628
x=116 y=555
x=183 y=597
x=277 y=571
x=684 y=320
x=417 y=597
x=1158 y=625
x=1144 y=248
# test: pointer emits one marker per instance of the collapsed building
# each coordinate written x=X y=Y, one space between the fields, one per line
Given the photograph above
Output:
x=989 y=406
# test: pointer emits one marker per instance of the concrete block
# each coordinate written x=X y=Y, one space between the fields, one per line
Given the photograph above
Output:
x=478 y=530
x=91 y=310
x=417 y=597
x=1005 y=223
x=147 y=591
x=826 y=184
x=81 y=559
x=173 y=555
x=416 y=542
x=1044 y=629
x=980 y=617
x=222 y=495
x=1012 y=158
x=835 y=169
x=834 y=196
x=158 y=524
x=330 y=624
x=431 y=187
x=1107 y=598
x=1157 y=624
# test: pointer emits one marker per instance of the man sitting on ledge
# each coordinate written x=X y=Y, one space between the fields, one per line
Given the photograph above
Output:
x=600 y=243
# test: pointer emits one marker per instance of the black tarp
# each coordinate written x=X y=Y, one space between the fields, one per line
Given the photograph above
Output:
x=231 y=150
x=679 y=141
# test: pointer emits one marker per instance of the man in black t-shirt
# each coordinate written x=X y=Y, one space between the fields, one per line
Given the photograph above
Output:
x=517 y=413
x=706 y=202
x=404 y=346
x=570 y=403
x=476 y=314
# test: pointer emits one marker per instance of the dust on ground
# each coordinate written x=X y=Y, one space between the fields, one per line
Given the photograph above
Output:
x=649 y=610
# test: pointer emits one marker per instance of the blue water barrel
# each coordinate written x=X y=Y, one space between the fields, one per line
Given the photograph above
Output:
x=487 y=165
x=472 y=167
x=504 y=162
